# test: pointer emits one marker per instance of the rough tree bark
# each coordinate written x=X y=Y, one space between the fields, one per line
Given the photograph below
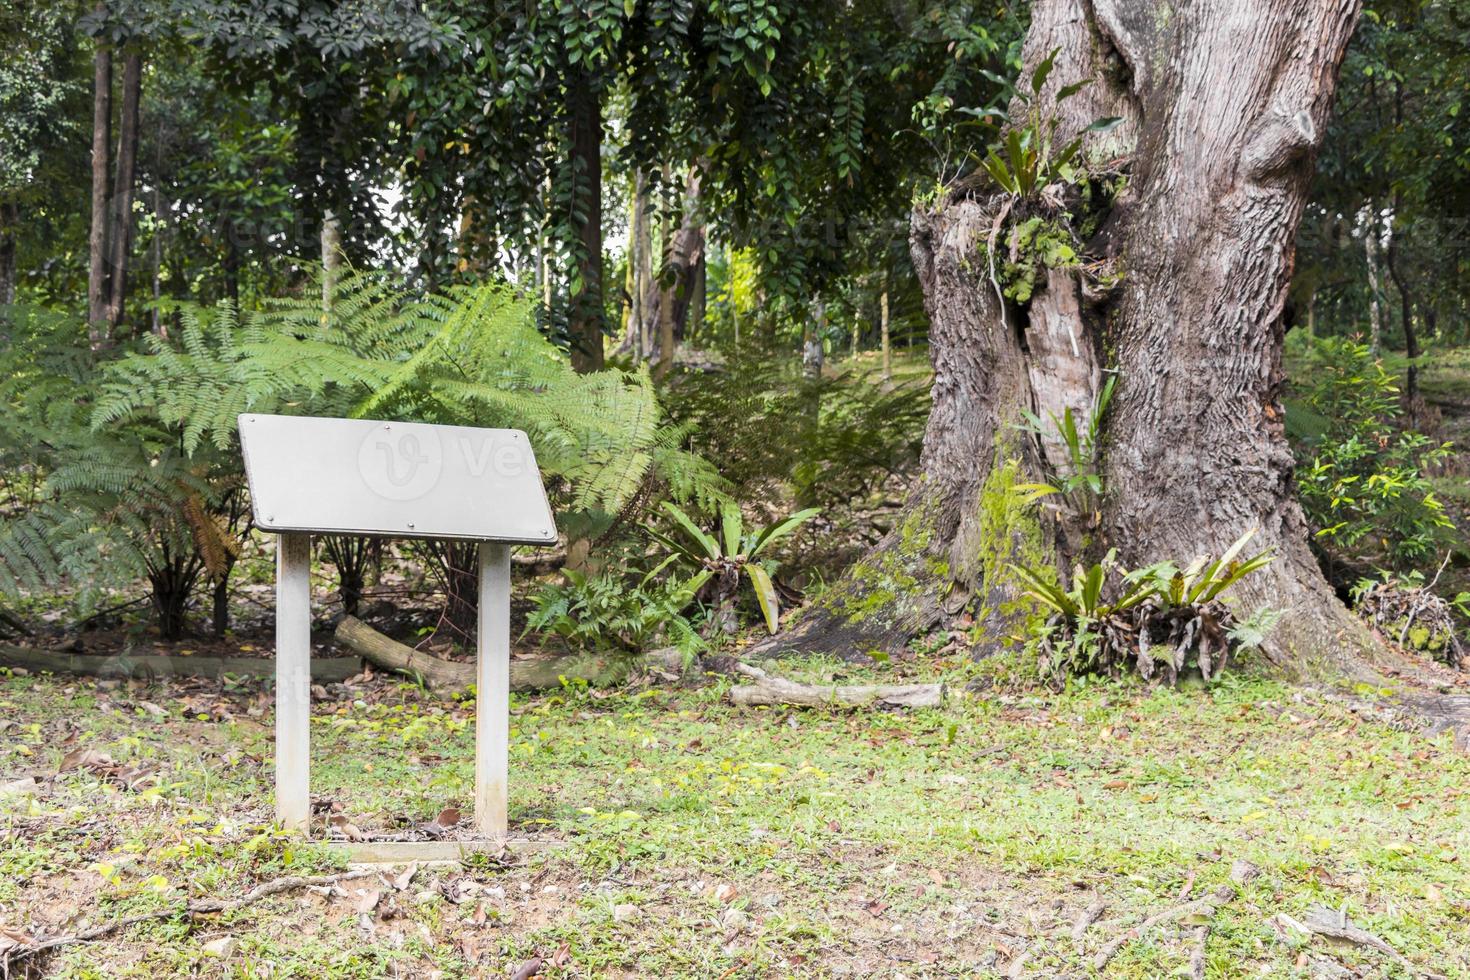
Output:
x=101 y=154
x=121 y=233
x=1187 y=224
x=674 y=288
x=584 y=117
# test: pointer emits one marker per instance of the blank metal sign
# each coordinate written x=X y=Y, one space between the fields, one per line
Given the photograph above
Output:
x=399 y=479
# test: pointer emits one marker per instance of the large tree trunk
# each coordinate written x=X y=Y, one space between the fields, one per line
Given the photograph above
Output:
x=585 y=138
x=101 y=154
x=122 y=189
x=1222 y=103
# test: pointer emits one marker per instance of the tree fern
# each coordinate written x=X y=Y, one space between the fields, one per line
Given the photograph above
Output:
x=471 y=357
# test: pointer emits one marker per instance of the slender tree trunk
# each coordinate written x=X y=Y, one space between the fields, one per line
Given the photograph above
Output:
x=9 y=222
x=1406 y=315
x=159 y=223
x=585 y=138
x=332 y=255
x=122 y=189
x=698 y=297
x=230 y=264
x=219 y=618
x=1375 y=289
x=811 y=341
x=1223 y=104
x=640 y=270
x=97 y=294
x=883 y=327
x=685 y=252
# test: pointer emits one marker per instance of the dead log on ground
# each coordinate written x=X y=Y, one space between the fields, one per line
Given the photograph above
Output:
x=333 y=670
x=534 y=673
x=768 y=690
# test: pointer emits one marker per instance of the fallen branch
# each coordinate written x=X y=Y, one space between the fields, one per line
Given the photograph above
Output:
x=536 y=673
x=1242 y=872
x=332 y=670
x=1197 y=956
x=1089 y=915
x=203 y=906
x=768 y=690
x=1336 y=925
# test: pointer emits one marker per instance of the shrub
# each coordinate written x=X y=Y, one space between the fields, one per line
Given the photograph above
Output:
x=830 y=440
x=1161 y=619
x=473 y=356
x=609 y=611
x=1359 y=476
x=722 y=559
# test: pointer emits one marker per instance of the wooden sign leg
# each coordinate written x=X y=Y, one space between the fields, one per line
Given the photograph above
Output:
x=492 y=682
x=293 y=681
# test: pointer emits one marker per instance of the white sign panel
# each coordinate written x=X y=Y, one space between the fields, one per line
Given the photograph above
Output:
x=398 y=479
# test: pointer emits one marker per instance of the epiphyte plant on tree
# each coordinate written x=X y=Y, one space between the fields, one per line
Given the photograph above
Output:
x=723 y=557
x=1082 y=486
x=1032 y=161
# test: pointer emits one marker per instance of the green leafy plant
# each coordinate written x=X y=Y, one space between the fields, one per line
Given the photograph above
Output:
x=471 y=356
x=1029 y=157
x=1361 y=478
x=100 y=506
x=1081 y=487
x=1159 y=618
x=725 y=556
x=608 y=611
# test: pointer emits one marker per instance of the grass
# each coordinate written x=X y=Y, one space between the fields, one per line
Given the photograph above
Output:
x=702 y=840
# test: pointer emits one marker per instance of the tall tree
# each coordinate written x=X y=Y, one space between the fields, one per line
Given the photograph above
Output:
x=40 y=89
x=99 y=245
x=1188 y=206
x=800 y=114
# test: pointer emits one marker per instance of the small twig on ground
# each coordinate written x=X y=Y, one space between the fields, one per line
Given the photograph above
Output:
x=1241 y=873
x=1218 y=897
x=1089 y=915
x=1197 y=958
x=203 y=906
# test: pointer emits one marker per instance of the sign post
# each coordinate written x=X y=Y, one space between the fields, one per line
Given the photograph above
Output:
x=392 y=479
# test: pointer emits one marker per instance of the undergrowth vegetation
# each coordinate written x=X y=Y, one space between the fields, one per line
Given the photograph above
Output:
x=1162 y=620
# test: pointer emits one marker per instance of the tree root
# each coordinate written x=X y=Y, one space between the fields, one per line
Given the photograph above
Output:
x=203 y=906
x=1323 y=921
x=1090 y=915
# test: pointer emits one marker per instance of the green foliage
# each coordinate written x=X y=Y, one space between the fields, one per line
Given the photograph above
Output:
x=833 y=440
x=469 y=357
x=1361 y=478
x=1036 y=244
x=1029 y=158
x=724 y=556
x=1159 y=617
x=610 y=611
x=1081 y=487
x=100 y=505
